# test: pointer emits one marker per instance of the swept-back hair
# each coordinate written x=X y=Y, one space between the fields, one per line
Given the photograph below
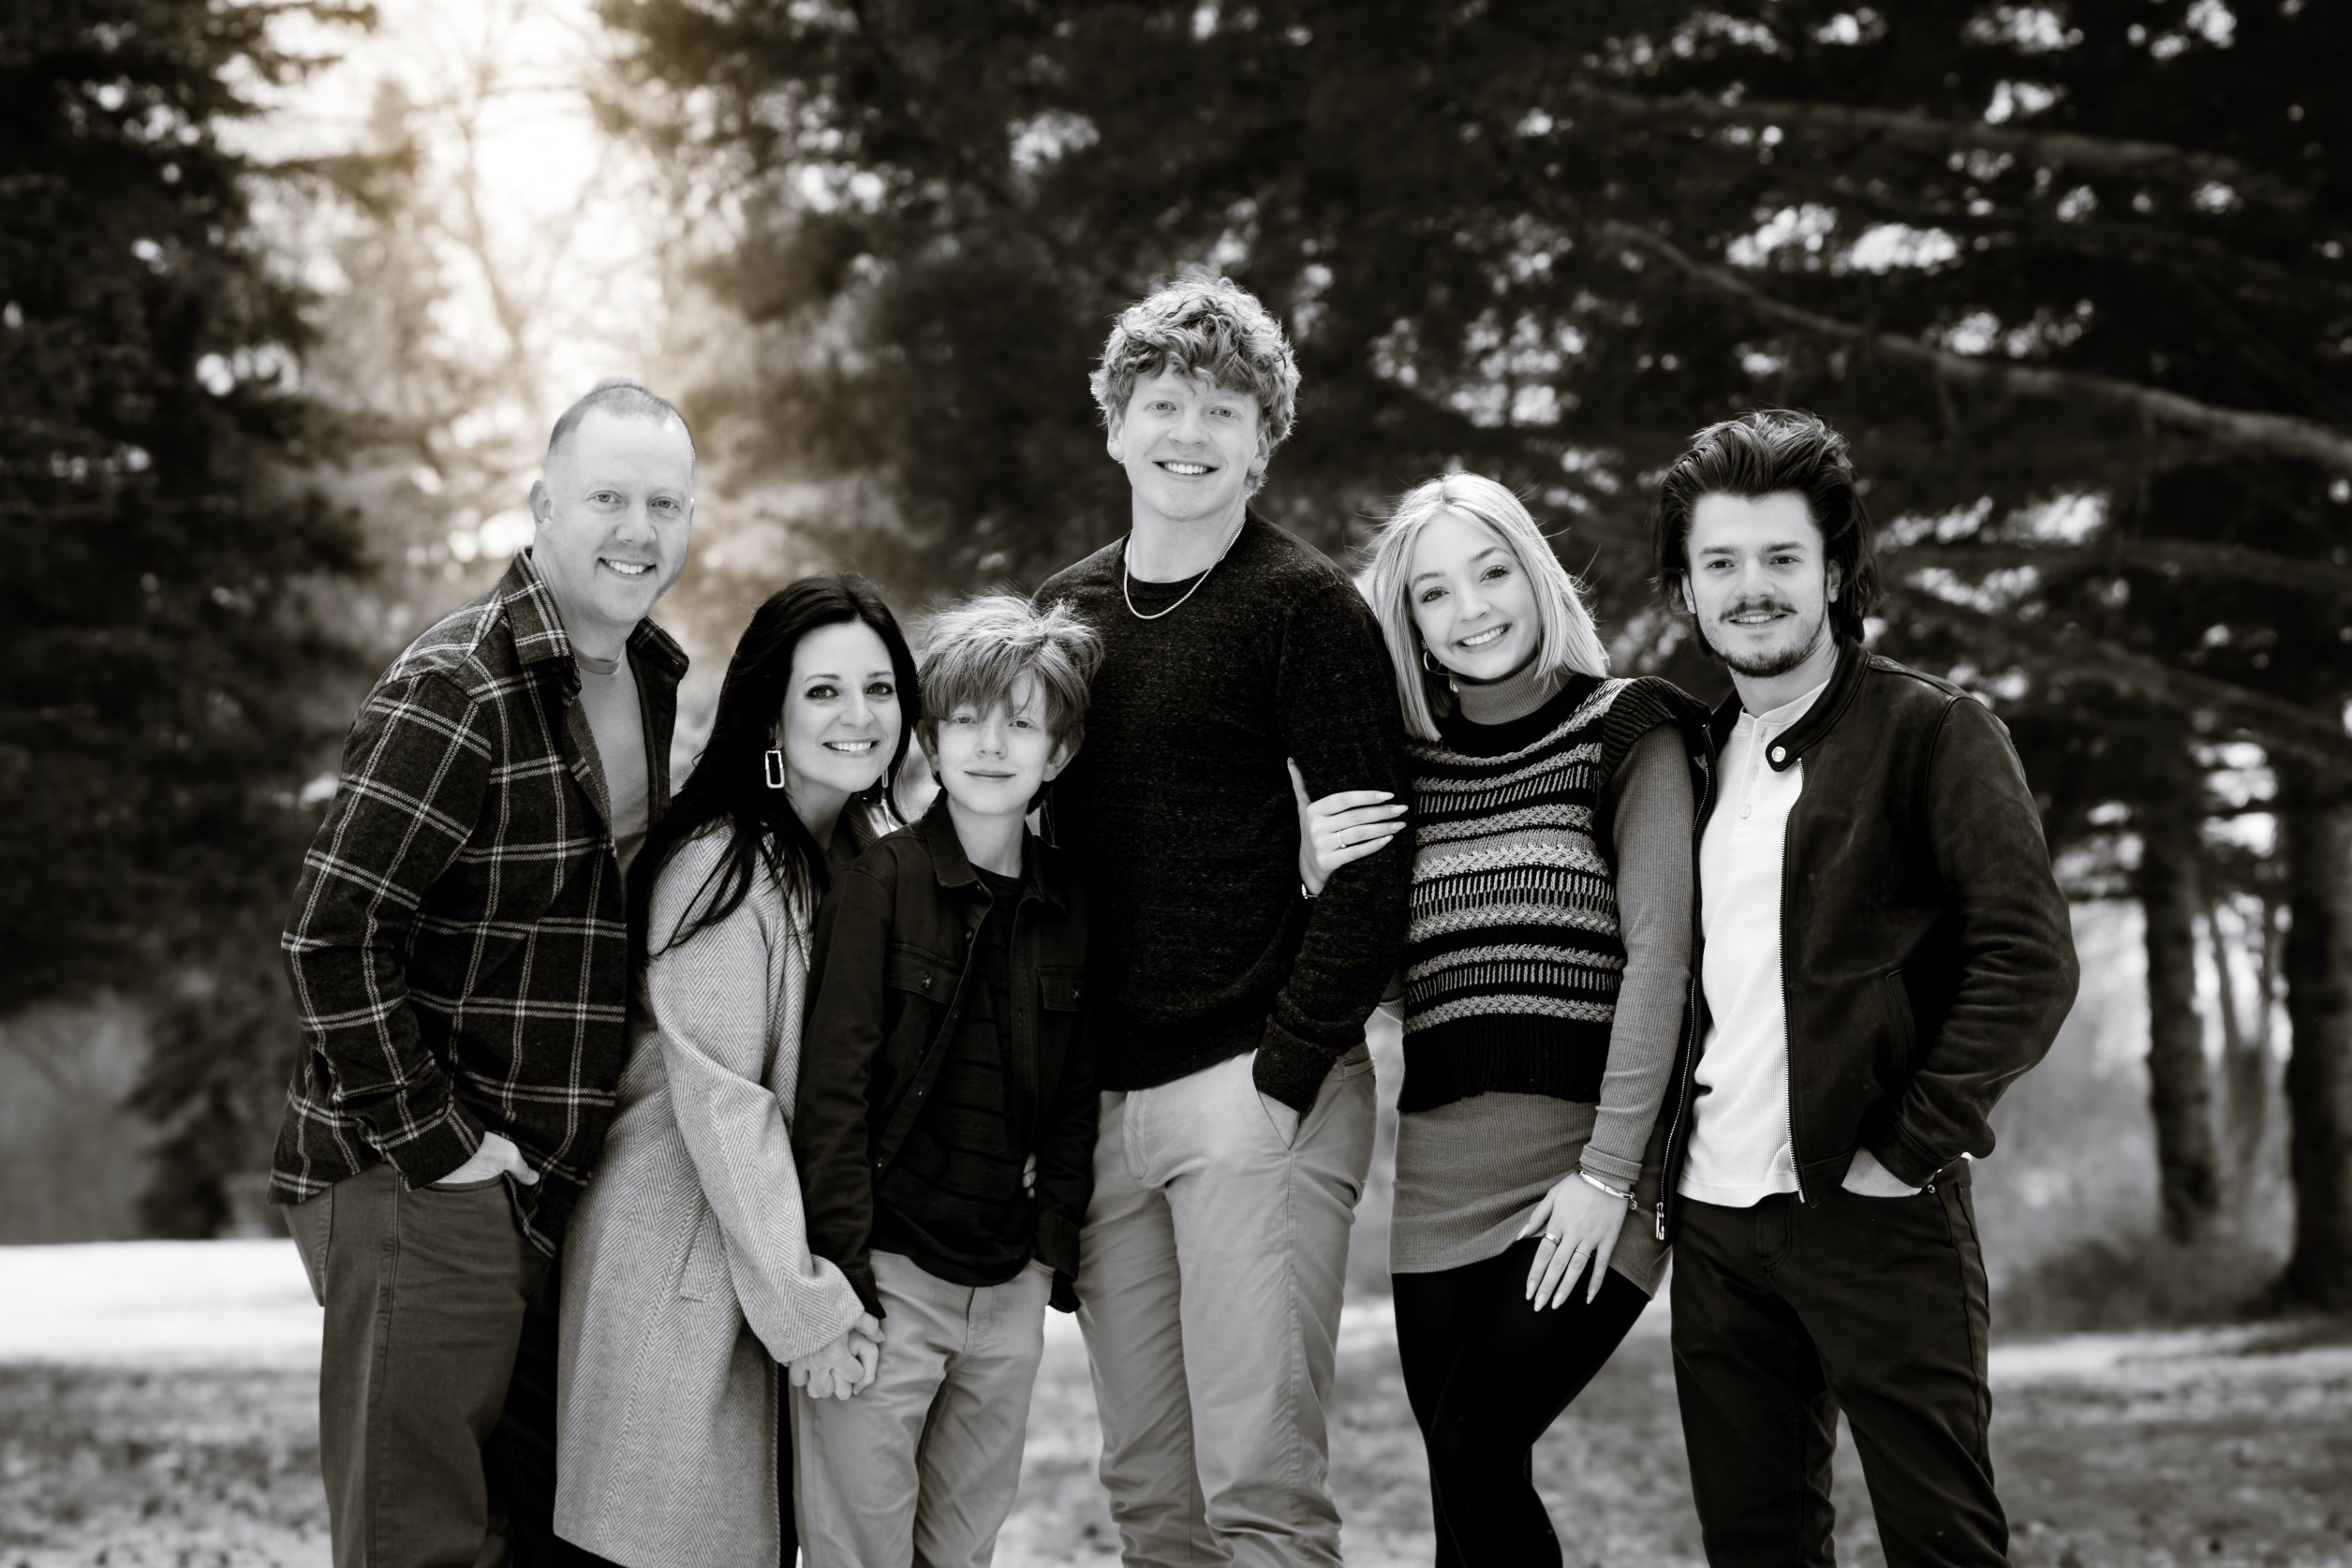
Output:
x=976 y=651
x=729 y=784
x=1566 y=638
x=1201 y=325
x=1765 y=452
x=623 y=399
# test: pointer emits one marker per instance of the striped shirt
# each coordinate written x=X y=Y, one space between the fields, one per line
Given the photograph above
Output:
x=458 y=945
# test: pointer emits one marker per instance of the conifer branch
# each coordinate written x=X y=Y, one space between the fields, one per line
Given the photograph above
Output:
x=2281 y=434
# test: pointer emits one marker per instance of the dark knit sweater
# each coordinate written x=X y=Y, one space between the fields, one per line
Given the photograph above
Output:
x=1515 y=954
x=1180 y=813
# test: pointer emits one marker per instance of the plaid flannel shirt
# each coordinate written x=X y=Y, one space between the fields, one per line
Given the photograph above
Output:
x=458 y=945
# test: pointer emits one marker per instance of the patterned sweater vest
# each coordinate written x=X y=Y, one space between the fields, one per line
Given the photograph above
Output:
x=1515 y=956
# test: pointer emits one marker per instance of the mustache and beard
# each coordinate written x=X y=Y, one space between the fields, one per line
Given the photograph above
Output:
x=1804 y=638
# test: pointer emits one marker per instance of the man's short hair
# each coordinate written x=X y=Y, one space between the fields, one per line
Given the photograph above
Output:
x=975 y=653
x=1201 y=325
x=623 y=399
x=1764 y=452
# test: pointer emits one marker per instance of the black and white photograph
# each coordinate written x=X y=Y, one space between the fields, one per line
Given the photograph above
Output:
x=1128 y=784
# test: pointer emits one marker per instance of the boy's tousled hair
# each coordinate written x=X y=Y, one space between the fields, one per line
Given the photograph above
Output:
x=1201 y=324
x=1764 y=452
x=975 y=652
x=1567 y=639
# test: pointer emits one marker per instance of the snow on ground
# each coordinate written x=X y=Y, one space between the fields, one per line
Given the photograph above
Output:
x=157 y=1407
x=158 y=1303
x=247 y=1303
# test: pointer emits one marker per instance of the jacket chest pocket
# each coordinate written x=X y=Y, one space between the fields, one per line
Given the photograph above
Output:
x=1060 y=993
x=916 y=972
x=917 y=986
x=1059 y=989
x=541 y=851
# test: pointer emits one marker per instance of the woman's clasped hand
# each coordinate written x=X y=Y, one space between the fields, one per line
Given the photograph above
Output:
x=843 y=1367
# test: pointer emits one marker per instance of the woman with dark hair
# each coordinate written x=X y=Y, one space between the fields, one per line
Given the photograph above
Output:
x=687 y=1279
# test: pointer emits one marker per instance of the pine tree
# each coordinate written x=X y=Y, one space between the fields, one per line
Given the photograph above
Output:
x=2073 y=280
x=156 y=623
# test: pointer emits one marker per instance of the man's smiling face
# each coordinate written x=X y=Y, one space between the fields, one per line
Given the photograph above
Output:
x=614 y=511
x=1760 y=582
x=1189 y=447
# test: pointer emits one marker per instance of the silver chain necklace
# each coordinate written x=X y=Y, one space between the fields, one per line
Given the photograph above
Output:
x=1127 y=577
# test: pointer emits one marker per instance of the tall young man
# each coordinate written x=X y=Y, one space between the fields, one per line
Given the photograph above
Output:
x=459 y=958
x=1882 y=951
x=1236 y=1122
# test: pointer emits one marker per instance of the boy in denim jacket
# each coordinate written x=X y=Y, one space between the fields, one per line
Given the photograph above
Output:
x=946 y=1118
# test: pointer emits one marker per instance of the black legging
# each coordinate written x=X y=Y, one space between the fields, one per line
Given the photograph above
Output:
x=1486 y=1374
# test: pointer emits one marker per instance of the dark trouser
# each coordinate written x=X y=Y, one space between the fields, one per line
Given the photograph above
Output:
x=522 y=1455
x=1486 y=1374
x=1785 y=1313
x=424 y=1293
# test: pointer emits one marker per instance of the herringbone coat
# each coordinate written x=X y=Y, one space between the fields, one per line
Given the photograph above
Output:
x=686 y=1272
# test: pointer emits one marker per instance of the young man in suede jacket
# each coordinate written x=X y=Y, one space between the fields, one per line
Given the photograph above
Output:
x=1882 y=951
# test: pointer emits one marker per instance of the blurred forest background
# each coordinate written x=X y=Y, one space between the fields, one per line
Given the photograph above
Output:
x=290 y=290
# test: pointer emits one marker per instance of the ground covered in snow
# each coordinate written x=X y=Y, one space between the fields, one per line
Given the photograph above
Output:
x=157 y=1406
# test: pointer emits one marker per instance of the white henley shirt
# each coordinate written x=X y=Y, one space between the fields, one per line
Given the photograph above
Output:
x=1740 y=1130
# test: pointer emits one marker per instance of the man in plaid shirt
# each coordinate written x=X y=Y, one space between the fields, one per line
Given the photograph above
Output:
x=458 y=949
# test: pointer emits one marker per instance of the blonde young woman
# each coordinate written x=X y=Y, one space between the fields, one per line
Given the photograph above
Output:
x=1547 y=975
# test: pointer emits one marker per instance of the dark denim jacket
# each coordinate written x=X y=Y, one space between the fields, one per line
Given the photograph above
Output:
x=1926 y=955
x=891 y=979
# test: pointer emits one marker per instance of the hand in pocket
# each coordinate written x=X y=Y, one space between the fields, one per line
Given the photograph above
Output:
x=1281 y=1119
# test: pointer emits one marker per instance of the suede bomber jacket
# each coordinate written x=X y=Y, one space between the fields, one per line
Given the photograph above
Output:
x=1926 y=955
x=892 y=975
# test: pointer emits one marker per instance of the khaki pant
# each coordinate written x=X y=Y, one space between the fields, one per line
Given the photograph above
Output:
x=424 y=1293
x=922 y=1466
x=1211 y=1269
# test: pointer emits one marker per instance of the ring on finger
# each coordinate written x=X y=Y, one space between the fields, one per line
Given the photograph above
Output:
x=1552 y=1237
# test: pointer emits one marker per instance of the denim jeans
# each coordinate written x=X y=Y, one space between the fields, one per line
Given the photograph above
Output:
x=1785 y=1313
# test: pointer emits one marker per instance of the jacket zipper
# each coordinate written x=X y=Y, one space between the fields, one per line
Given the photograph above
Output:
x=1692 y=1037
x=1788 y=1060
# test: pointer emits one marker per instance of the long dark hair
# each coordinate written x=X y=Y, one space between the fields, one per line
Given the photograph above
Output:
x=729 y=783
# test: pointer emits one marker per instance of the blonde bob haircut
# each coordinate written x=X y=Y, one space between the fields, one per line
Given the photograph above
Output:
x=1566 y=638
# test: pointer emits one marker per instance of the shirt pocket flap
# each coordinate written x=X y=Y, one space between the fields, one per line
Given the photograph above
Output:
x=910 y=968
x=1060 y=988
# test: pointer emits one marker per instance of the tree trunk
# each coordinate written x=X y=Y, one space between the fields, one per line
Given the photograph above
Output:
x=2180 y=1085
x=2316 y=836
x=2245 y=1047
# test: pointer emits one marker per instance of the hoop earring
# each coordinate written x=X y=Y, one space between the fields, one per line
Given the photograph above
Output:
x=774 y=760
x=1430 y=665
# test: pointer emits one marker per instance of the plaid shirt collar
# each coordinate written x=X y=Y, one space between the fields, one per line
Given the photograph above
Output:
x=538 y=625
